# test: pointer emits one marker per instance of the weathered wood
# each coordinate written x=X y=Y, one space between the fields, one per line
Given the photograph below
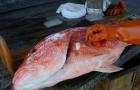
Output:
x=136 y=80
x=24 y=34
x=15 y=12
x=130 y=81
x=122 y=83
x=103 y=85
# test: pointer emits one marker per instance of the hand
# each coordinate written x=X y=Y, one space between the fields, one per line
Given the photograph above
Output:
x=116 y=9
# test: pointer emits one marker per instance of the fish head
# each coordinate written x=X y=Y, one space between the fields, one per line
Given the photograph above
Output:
x=29 y=76
x=43 y=60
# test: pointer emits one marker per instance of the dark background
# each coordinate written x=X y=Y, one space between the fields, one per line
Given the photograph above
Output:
x=32 y=8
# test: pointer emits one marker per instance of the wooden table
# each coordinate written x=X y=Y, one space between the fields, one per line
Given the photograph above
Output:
x=24 y=34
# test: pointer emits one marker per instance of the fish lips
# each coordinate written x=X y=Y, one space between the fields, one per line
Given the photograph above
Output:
x=33 y=75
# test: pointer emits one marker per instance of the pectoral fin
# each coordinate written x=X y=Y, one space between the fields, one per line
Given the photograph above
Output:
x=108 y=69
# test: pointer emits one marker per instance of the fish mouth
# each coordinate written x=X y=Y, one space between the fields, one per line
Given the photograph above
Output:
x=33 y=75
x=31 y=82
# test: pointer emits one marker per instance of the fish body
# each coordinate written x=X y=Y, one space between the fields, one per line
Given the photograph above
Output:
x=82 y=58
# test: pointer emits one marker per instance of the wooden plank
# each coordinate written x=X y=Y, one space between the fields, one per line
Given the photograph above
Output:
x=136 y=80
x=122 y=83
x=103 y=85
x=28 y=9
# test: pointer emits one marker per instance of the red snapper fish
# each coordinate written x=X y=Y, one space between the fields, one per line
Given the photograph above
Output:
x=53 y=67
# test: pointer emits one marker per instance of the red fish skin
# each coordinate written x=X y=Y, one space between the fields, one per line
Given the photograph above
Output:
x=36 y=72
x=48 y=58
x=86 y=59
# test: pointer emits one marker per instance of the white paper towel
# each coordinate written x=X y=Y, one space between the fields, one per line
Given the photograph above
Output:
x=72 y=10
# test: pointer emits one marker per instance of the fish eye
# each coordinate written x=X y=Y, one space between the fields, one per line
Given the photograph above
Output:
x=32 y=51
